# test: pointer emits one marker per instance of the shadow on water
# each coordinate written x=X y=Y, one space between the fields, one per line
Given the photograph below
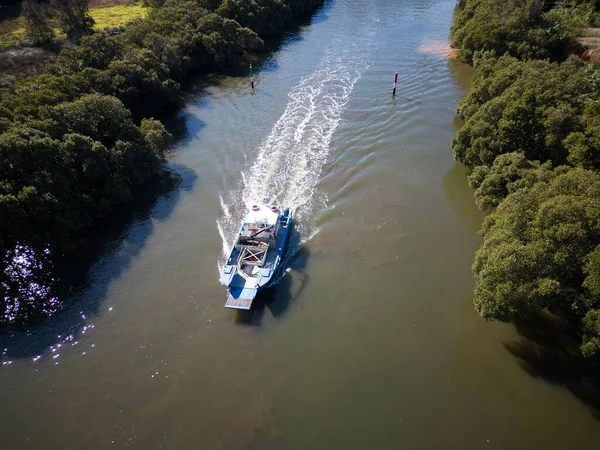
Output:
x=184 y=126
x=292 y=35
x=278 y=298
x=106 y=252
x=461 y=196
x=549 y=349
x=461 y=73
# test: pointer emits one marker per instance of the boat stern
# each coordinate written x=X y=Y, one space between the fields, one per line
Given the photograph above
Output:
x=240 y=298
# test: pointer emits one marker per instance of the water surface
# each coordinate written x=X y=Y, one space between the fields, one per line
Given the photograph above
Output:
x=370 y=341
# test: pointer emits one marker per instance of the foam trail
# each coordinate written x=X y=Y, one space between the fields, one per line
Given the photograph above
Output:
x=224 y=237
x=224 y=208
x=288 y=163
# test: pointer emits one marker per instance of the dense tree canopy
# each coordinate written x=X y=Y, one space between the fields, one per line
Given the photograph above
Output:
x=82 y=157
x=521 y=28
x=541 y=251
x=532 y=138
x=583 y=146
x=530 y=107
x=509 y=173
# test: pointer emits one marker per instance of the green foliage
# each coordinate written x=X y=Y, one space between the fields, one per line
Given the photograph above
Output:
x=538 y=247
x=153 y=3
x=492 y=77
x=156 y=136
x=96 y=51
x=591 y=336
x=529 y=107
x=55 y=182
x=37 y=26
x=520 y=28
x=591 y=321
x=102 y=118
x=575 y=16
x=584 y=146
x=592 y=270
x=74 y=18
x=523 y=116
x=264 y=16
x=509 y=173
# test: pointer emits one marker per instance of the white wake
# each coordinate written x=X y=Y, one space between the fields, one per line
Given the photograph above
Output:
x=289 y=162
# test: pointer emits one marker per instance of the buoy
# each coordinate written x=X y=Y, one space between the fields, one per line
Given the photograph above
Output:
x=255 y=208
x=274 y=208
x=395 y=81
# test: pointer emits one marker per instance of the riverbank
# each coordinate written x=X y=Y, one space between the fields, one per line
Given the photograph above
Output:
x=531 y=141
x=117 y=83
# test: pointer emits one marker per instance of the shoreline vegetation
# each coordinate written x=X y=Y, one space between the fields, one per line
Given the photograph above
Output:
x=531 y=138
x=77 y=140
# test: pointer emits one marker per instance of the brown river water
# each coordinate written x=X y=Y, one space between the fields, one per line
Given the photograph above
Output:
x=370 y=341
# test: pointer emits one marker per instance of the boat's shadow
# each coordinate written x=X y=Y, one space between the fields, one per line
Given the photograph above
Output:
x=279 y=297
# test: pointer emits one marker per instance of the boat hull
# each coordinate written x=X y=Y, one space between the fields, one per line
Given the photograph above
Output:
x=244 y=287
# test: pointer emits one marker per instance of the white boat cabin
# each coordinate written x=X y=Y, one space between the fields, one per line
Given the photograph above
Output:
x=259 y=225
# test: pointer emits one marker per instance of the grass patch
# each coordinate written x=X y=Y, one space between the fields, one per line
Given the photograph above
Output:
x=12 y=31
x=117 y=16
x=10 y=28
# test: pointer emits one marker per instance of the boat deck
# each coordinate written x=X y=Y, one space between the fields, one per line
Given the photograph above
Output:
x=240 y=298
x=238 y=303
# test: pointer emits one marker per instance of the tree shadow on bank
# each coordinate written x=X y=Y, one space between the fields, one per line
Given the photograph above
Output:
x=105 y=252
x=278 y=298
x=548 y=349
x=184 y=126
x=265 y=61
x=457 y=190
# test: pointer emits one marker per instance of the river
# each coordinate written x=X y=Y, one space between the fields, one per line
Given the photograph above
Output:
x=369 y=342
